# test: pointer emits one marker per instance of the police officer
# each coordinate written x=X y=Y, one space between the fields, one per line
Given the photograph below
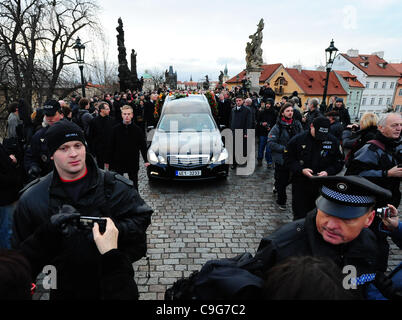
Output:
x=37 y=161
x=313 y=152
x=337 y=229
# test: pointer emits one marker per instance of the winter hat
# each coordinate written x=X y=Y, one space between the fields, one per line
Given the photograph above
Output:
x=321 y=126
x=61 y=132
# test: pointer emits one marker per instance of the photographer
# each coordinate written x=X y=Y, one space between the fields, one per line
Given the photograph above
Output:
x=356 y=136
x=378 y=162
x=379 y=158
x=77 y=181
x=18 y=268
x=391 y=286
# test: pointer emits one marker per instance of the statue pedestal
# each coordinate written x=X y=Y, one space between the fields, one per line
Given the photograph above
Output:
x=254 y=75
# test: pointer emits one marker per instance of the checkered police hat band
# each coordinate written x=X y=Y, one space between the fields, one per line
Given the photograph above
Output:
x=347 y=198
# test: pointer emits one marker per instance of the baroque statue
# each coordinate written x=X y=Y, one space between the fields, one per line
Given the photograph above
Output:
x=253 y=48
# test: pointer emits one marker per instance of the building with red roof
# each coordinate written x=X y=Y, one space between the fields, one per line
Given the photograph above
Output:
x=397 y=102
x=376 y=74
x=354 y=88
x=284 y=81
x=268 y=70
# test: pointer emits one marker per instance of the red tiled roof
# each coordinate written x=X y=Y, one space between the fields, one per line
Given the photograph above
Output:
x=312 y=82
x=398 y=67
x=351 y=79
x=92 y=85
x=268 y=70
x=373 y=65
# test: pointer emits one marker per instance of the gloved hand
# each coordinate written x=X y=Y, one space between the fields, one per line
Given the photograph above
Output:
x=386 y=287
x=66 y=221
x=34 y=172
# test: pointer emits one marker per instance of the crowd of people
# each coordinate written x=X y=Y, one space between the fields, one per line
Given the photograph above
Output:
x=66 y=159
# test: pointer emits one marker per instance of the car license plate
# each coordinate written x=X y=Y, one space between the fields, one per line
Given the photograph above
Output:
x=189 y=173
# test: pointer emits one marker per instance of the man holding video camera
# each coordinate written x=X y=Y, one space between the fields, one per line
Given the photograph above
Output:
x=78 y=182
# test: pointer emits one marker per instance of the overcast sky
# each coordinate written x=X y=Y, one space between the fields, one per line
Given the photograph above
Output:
x=200 y=37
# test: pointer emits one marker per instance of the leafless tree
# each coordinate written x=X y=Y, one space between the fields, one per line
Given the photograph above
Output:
x=102 y=70
x=158 y=77
x=37 y=38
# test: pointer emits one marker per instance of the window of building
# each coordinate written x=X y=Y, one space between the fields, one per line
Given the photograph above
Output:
x=367 y=84
x=372 y=101
x=391 y=86
x=388 y=101
x=384 y=84
x=380 y=101
x=400 y=92
x=375 y=85
x=364 y=101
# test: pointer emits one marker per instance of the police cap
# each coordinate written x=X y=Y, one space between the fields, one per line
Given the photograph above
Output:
x=348 y=197
x=51 y=107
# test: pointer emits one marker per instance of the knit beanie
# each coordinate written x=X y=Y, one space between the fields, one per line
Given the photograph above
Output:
x=61 y=132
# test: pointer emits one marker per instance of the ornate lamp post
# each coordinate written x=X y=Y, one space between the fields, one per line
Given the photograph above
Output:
x=330 y=54
x=79 y=50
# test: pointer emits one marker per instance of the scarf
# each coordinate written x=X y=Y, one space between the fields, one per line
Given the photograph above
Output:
x=287 y=121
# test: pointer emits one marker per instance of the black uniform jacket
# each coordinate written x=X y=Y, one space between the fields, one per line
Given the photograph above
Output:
x=301 y=238
x=304 y=151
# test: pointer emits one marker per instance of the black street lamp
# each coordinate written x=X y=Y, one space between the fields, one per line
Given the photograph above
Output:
x=330 y=54
x=79 y=50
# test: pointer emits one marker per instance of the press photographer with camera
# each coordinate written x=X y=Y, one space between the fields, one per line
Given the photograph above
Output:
x=18 y=267
x=78 y=182
x=388 y=287
x=378 y=161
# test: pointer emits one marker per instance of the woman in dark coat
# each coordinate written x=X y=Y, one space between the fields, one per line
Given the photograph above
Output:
x=355 y=137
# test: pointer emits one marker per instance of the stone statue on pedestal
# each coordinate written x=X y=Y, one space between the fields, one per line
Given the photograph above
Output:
x=128 y=78
x=254 y=58
x=253 y=48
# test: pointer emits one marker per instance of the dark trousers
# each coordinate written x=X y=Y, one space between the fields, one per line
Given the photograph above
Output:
x=282 y=176
x=132 y=174
x=304 y=195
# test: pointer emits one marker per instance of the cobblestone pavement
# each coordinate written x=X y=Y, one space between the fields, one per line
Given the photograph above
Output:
x=194 y=222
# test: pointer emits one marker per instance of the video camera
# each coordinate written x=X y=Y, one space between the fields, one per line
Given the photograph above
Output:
x=87 y=223
x=383 y=213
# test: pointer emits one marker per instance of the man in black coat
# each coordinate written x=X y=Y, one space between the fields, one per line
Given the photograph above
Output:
x=266 y=119
x=10 y=185
x=337 y=229
x=126 y=143
x=77 y=182
x=149 y=108
x=117 y=104
x=336 y=128
x=100 y=134
x=241 y=119
x=224 y=109
x=311 y=114
x=379 y=161
x=313 y=152
x=266 y=92
x=37 y=161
